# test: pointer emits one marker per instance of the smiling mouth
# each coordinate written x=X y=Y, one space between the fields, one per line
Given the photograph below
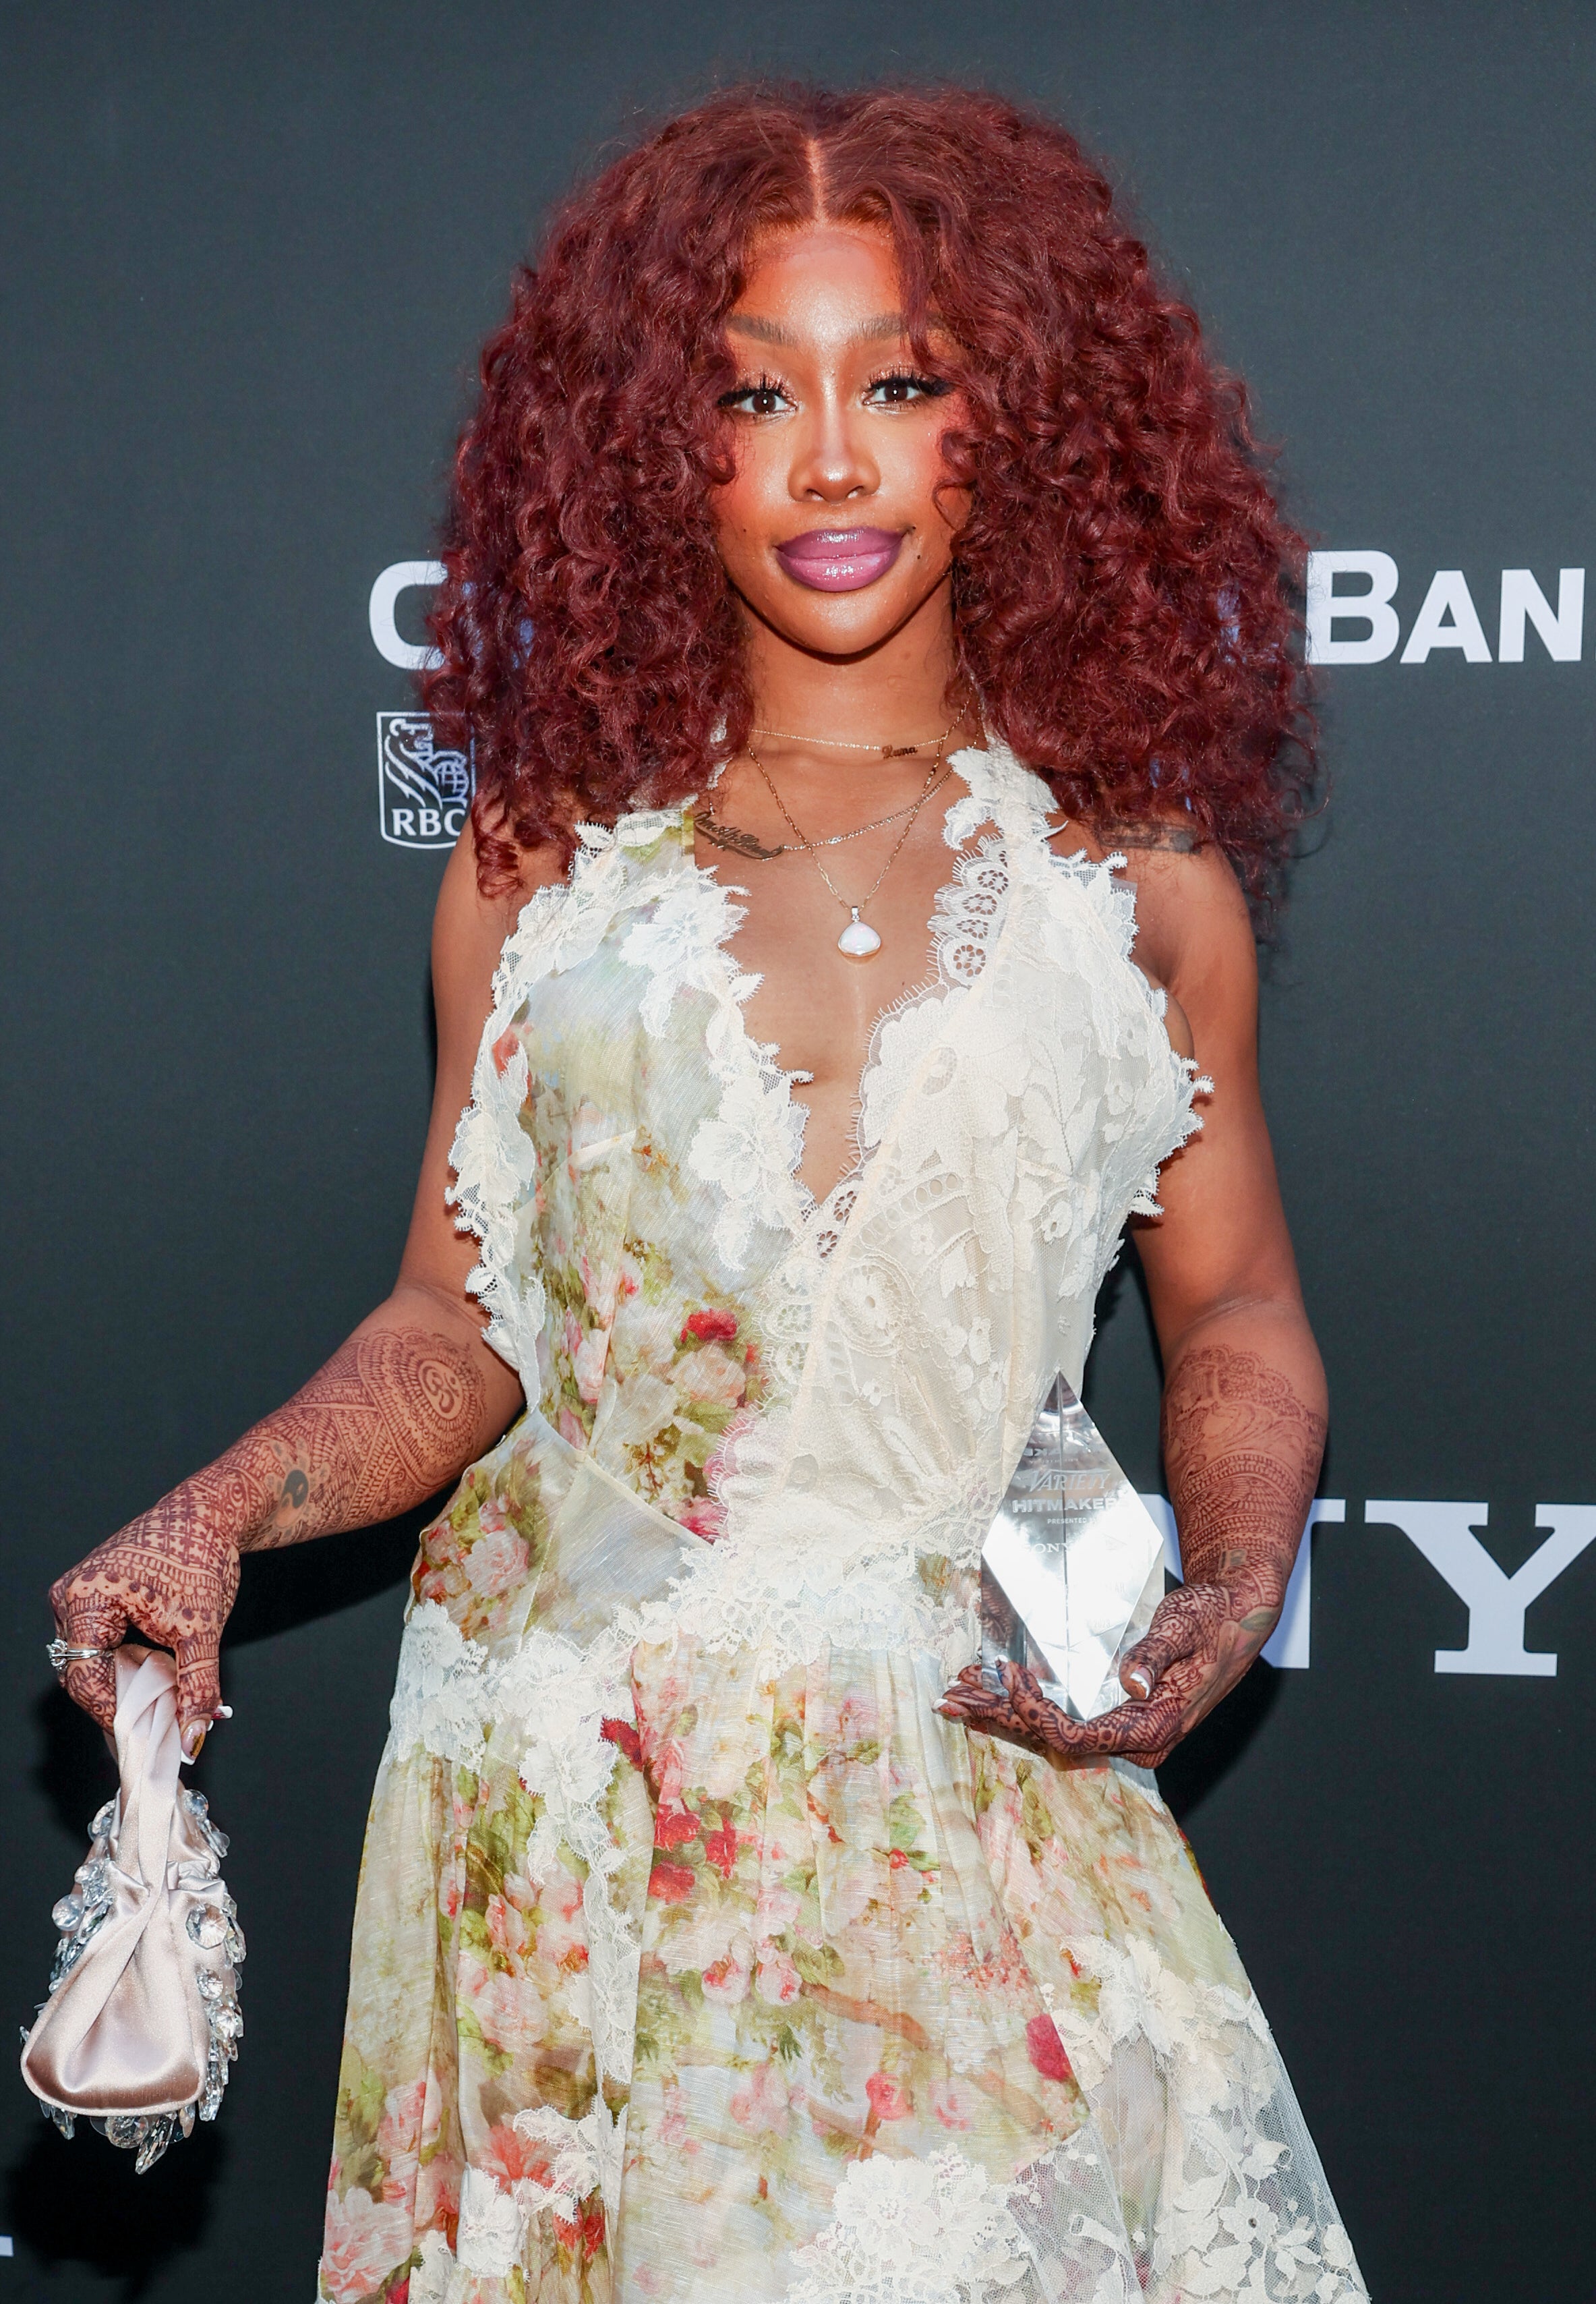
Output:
x=839 y=559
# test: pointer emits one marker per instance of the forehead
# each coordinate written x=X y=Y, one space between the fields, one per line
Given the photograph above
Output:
x=812 y=278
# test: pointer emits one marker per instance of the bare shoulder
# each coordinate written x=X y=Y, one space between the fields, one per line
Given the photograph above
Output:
x=469 y=928
x=1193 y=931
x=1192 y=917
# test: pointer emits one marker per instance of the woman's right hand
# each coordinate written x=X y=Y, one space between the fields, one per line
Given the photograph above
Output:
x=169 y=1577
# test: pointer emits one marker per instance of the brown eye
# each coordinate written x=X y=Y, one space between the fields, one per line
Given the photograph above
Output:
x=902 y=386
x=761 y=398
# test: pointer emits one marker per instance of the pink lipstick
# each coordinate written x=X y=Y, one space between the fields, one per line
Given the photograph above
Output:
x=839 y=559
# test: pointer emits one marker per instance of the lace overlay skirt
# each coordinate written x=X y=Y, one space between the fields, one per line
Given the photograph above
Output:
x=684 y=1971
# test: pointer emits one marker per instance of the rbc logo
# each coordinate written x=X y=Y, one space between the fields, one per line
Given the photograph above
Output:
x=423 y=791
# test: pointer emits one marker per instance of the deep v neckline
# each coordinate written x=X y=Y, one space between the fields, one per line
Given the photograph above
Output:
x=821 y=1220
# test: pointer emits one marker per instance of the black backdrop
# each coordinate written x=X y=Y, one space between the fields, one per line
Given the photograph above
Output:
x=248 y=254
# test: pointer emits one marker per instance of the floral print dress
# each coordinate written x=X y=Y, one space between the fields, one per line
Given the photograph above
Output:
x=697 y=1957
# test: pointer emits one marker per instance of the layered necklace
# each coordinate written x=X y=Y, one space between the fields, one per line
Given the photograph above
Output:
x=858 y=940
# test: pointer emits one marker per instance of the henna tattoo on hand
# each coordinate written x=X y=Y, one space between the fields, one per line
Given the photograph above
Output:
x=169 y=1578
x=394 y=1415
x=1243 y=1454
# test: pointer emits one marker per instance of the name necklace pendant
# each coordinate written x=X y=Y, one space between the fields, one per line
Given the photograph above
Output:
x=747 y=843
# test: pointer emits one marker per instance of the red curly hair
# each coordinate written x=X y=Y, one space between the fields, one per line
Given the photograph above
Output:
x=1124 y=591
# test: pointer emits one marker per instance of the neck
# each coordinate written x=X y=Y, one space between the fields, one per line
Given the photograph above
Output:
x=895 y=694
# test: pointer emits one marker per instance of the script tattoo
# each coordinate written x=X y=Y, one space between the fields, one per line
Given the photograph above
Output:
x=1243 y=1454
x=394 y=1415
x=1172 y=839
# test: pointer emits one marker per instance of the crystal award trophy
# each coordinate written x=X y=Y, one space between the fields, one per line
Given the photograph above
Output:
x=1072 y=1567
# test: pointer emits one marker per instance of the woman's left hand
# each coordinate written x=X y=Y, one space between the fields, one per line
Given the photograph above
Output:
x=1201 y=1639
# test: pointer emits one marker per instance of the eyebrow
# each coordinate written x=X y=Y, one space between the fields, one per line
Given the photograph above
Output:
x=771 y=332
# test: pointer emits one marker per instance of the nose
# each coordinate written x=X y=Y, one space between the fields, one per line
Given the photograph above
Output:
x=832 y=463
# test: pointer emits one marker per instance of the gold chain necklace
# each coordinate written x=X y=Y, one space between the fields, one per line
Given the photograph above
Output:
x=858 y=939
x=842 y=744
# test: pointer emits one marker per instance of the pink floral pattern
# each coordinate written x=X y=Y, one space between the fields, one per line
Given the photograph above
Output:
x=629 y=1329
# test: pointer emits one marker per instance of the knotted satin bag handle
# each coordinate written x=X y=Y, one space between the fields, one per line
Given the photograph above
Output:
x=142 y=2017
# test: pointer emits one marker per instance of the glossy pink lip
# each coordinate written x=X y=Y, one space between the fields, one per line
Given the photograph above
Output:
x=839 y=559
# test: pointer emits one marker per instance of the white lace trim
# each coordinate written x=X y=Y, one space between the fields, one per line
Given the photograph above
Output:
x=494 y=1158
x=751 y=1148
x=913 y=2232
x=793 y=1595
x=969 y=913
x=432 y=2278
x=1020 y=802
x=585 y=2156
x=1234 y=2217
x=965 y=921
x=437 y=1699
x=795 y=1573
x=939 y=2230
x=1112 y=907
x=493 y=2225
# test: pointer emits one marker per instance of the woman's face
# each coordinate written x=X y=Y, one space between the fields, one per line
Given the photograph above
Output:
x=833 y=530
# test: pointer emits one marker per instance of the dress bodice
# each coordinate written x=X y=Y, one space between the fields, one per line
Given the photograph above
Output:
x=836 y=1392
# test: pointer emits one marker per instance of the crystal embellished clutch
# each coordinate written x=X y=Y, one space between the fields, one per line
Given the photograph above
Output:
x=142 y=2021
x=1072 y=1567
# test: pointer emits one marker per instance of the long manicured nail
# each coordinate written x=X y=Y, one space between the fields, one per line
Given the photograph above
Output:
x=223 y=1712
x=193 y=1740
x=1141 y=1681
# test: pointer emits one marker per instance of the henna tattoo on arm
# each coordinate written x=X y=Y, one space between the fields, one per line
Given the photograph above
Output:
x=1243 y=1454
x=394 y=1415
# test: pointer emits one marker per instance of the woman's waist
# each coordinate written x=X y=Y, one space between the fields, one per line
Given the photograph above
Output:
x=541 y=1538
x=476 y=1706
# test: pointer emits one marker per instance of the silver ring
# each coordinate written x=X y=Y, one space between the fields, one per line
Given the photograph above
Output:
x=61 y=1655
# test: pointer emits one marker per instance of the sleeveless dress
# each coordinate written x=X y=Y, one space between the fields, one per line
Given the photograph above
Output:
x=696 y=1956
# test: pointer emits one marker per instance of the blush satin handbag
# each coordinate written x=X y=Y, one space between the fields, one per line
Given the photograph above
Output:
x=142 y=2021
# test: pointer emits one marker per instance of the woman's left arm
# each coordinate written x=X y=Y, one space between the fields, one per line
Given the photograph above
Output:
x=1244 y=1401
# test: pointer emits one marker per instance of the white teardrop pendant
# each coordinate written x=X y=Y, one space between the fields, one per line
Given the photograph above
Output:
x=858 y=939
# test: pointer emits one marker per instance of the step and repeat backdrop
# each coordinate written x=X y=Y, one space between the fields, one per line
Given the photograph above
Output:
x=250 y=254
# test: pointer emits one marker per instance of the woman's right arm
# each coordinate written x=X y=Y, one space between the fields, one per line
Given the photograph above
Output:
x=398 y=1412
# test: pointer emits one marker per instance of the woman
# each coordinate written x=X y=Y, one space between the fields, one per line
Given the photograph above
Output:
x=720 y=1934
